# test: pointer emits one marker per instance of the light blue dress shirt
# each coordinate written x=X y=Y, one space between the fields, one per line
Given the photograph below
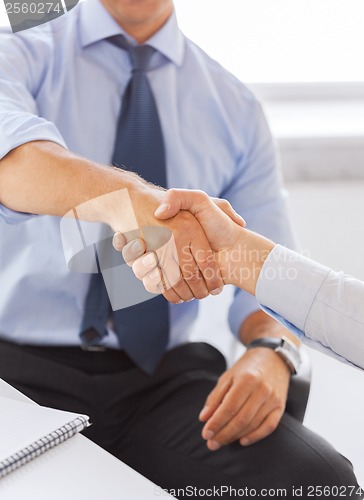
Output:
x=63 y=82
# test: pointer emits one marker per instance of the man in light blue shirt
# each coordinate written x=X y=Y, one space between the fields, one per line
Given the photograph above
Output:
x=60 y=93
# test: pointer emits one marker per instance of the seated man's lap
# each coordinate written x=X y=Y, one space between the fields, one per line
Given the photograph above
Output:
x=152 y=423
x=164 y=443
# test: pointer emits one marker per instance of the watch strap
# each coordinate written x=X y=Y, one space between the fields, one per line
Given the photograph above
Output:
x=284 y=347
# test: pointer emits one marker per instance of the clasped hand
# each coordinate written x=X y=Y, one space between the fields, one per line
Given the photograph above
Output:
x=201 y=267
x=249 y=398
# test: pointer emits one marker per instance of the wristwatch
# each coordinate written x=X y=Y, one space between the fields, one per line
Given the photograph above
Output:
x=284 y=347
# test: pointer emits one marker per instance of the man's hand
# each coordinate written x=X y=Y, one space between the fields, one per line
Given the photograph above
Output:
x=249 y=399
x=190 y=270
x=239 y=253
x=42 y=177
x=220 y=223
x=248 y=402
x=217 y=217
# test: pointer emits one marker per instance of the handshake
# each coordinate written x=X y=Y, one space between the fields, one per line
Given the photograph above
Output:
x=196 y=263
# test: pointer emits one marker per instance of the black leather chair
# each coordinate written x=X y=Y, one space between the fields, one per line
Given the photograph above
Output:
x=299 y=389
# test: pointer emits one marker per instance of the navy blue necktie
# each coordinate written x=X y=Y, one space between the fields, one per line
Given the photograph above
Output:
x=142 y=329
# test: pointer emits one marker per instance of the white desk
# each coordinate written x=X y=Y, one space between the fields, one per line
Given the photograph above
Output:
x=74 y=470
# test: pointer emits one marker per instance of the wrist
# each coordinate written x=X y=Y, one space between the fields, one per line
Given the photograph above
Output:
x=146 y=198
x=287 y=350
x=242 y=263
x=111 y=202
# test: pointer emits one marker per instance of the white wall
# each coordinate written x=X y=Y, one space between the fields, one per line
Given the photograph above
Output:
x=328 y=218
x=329 y=221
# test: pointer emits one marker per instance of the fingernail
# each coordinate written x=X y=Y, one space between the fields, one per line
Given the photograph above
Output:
x=137 y=246
x=118 y=240
x=207 y=435
x=217 y=291
x=161 y=209
x=203 y=412
x=214 y=445
x=180 y=302
x=244 y=442
x=148 y=260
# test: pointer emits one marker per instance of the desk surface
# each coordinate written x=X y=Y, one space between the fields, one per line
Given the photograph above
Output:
x=73 y=470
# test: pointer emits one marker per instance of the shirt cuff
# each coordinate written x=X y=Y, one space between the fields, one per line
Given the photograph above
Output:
x=288 y=284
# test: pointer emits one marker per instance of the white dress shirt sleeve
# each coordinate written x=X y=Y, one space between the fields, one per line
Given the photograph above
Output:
x=323 y=307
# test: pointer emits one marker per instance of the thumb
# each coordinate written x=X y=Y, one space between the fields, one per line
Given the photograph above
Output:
x=226 y=207
x=181 y=199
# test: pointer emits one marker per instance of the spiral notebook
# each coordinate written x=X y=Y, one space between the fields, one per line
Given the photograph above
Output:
x=28 y=430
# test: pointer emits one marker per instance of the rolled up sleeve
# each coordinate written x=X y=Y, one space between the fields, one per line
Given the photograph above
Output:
x=23 y=66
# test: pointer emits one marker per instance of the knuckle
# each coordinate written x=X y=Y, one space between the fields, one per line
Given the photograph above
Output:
x=209 y=400
x=178 y=285
x=278 y=401
x=150 y=287
x=271 y=427
x=215 y=424
x=127 y=256
x=193 y=279
x=213 y=283
x=154 y=277
x=205 y=258
x=242 y=421
x=136 y=271
x=224 y=379
x=266 y=390
x=202 y=195
x=200 y=295
x=252 y=377
x=172 y=298
x=225 y=203
x=230 y=410
x=128 y=261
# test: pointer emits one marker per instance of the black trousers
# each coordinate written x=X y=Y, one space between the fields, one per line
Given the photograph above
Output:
x=151 y=423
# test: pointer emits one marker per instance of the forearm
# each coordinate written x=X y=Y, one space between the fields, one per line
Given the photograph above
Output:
x=44 y=178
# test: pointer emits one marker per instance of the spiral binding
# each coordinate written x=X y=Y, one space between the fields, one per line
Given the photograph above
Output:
x=42 y=445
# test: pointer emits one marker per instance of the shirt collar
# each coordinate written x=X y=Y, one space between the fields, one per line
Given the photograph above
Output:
x=96 y=24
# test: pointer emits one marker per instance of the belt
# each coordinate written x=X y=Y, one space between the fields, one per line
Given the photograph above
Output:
x=90 y=339
x=90 y=359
